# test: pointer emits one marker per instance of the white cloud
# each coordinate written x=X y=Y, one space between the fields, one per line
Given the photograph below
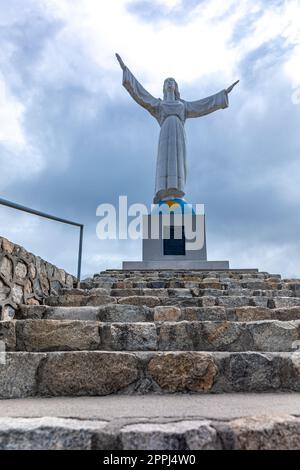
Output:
x=82 y=52
x=187 y=51
x=190 y=50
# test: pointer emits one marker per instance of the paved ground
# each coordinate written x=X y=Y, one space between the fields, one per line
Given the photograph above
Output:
x=225 y=406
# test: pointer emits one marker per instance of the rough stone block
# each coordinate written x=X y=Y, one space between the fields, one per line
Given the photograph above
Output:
x=274 y=335
x=178 y=372
x=18 y=375
x=167 y=313
x=126 y=292
x=194 y=435
x=87 y=373
x=49 y=433
x=226 y=336
x=4 y=291
x=288 y=313
x=21 y=270
x=204 y=313
x=71 y=300
x=6 y=268
x=125 y=313
x=266 y=433
x=155 y=292
x=17 y=294
x=129 y=337
x=57 y=335
x=259 y=301
x=233 y=301
x=7 y=313
x=181 y=336
x=7 y=246
x=180 y=293
x=71 y=313
x=8 y=335
x=281 y=302
x=250 y=313
x=250 y=371
x=149 y=301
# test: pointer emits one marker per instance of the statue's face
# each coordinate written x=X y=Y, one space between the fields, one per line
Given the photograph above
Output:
x=170 y=84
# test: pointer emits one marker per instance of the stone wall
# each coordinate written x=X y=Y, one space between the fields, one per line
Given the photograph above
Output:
x=26 y=278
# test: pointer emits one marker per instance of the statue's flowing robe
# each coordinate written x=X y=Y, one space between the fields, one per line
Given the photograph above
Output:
x=171 y=115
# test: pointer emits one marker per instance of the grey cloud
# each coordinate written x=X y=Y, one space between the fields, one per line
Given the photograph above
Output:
x=25 y=40
x=245 y=27
x=150 y=11
x=235 y=170
x=268 y=55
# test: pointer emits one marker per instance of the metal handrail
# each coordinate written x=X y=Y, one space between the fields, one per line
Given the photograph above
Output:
x=13 y=205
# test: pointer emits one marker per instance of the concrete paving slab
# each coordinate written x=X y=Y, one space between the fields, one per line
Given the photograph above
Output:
x=226 y=406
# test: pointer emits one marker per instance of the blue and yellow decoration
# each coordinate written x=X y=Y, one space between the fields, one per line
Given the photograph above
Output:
x=175 y=206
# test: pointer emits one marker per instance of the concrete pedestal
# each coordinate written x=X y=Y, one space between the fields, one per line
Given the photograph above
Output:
x=174 y=242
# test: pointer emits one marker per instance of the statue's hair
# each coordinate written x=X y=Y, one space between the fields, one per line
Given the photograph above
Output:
x=177 y=94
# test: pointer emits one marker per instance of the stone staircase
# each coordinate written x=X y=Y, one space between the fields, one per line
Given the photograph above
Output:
x=139 y=332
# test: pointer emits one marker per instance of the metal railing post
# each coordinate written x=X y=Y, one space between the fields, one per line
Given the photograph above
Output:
x=13 y=205
x=80 y=254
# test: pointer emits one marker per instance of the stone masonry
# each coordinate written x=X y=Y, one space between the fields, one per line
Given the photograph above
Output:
x=250 y=433
x=148 y=332
x=26 y=278
x=157 y=332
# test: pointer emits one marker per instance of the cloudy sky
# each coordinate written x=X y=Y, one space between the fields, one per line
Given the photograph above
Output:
x=71 y=137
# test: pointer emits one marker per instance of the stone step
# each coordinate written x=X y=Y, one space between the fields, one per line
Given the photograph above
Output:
x=230 y=301
x=80 y=291
x=149 y=292
x=108 y=313
x=204 y=284
x=260 y=292
x=223 y=280
x=271 y=431
x=180 y=292
x=86 y=373
x=173 y=281
x=148 y=282
x=138 y=313
x=73 y=335
x=196 y=291
x=163 y=273
x=174 y=297
x=109 y=276
x=79 y=300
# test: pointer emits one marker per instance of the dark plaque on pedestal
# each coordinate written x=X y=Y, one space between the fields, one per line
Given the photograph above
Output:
x=174 y=246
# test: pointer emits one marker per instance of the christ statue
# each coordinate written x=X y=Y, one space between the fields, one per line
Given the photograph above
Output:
x=171 y=113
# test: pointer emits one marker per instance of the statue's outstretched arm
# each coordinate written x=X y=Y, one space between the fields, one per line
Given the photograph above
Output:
x=137 y=91
x=208 y=105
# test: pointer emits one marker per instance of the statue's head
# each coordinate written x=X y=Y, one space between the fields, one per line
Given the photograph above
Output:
x=171 y=85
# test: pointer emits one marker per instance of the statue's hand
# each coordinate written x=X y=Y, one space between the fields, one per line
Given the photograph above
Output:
x=122 y=65
x=229 y=89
